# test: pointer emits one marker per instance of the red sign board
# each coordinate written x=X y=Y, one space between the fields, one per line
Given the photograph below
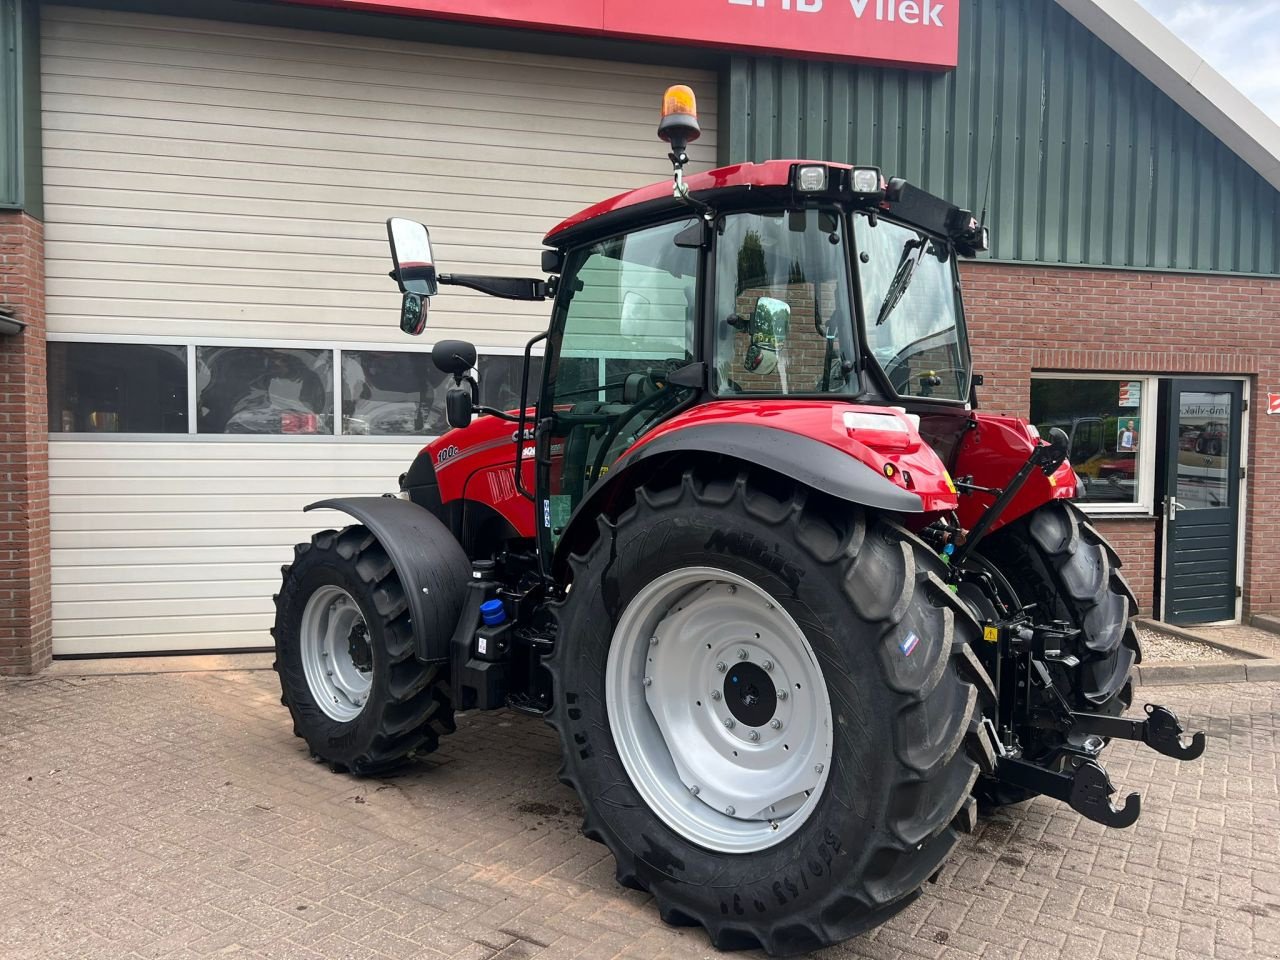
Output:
x=919 y=33
x=1273 y=404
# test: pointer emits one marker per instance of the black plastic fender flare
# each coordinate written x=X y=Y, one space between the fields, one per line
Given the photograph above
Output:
x=433 y=568
x=804 y=459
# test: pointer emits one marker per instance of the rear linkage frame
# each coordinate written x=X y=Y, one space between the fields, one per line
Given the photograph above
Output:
x=1072 y=775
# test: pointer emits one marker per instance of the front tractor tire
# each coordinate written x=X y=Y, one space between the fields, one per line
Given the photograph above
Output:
x=769 y=707
x=345 y=656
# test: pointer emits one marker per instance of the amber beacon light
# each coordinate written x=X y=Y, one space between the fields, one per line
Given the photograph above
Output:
x=679 y=123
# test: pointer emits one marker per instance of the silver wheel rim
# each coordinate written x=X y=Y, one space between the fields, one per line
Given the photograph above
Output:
x=331 y=627
x=689 y=734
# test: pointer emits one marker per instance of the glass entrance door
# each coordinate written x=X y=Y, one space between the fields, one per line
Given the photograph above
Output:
x=1202 y=500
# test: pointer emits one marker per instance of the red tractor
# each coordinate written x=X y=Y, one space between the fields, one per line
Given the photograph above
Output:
x=792 y=604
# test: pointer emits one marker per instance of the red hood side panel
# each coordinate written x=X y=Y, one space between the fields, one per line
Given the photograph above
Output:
x=478 y=463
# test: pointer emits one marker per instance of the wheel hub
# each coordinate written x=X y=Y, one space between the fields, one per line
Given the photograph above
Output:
x=749 y=694
x=719 y=710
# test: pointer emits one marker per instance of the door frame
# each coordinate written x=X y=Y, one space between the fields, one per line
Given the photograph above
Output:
x=1162 y=513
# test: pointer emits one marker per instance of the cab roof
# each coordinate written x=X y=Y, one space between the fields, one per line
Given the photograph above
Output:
x=658 y=198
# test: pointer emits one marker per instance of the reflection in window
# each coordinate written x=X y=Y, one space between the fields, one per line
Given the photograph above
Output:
x=264 y=390
x=500 y=378
x=1204 y=450
x=117 y=388
x=784 y=322
x=389 y=393
x=1102 y=420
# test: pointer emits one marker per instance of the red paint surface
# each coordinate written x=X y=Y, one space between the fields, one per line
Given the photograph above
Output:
x=772 y=173
x=992 y=454
x=822 y=420
x=883 y=33
x=478 y=463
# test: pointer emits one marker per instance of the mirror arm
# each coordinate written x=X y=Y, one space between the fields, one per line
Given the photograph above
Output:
x=508 y=288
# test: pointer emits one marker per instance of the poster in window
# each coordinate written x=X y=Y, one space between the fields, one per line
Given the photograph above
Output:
x=1128 y=430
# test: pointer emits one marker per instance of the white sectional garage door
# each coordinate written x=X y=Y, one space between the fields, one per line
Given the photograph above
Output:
x=213 y=185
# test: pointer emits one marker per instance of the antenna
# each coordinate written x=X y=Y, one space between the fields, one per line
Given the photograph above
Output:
x=991 y=166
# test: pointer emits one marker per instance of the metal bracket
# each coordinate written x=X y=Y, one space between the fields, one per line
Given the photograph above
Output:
x=1161 y=731
x=1087 y=790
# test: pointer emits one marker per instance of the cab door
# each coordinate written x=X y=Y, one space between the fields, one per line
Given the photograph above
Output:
x=626 y=318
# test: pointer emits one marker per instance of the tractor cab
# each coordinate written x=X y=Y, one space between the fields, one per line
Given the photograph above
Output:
x=788 y=280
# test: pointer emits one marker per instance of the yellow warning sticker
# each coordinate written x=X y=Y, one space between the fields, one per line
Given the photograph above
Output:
x=990 y=634
x=946 y=475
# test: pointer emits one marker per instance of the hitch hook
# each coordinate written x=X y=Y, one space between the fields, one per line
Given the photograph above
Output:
x=1086 y=789
x=1162 y=732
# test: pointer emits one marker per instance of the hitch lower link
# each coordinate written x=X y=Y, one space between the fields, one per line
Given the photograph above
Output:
x=1082 y=783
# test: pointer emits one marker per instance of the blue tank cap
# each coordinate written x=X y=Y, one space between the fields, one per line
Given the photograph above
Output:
x=493 y=612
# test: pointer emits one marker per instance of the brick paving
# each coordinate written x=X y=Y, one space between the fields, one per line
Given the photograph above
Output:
x=175 y=816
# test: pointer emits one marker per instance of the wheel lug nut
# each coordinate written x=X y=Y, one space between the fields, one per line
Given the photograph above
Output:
x=721 y=666
x=742 y=654
x=817 y=768
x=732 y=589
x=328 y=673
x=730 y=811
x=768 y=664
x=694 y=790
x=653 y=641
x=782 y=694
x=648 y=681
x=715 y=694
x=753 y=736
x=729 y=724
x=775 y=723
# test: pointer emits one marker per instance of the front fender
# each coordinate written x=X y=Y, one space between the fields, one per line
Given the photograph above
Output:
x=992 y=452
x=433 y=568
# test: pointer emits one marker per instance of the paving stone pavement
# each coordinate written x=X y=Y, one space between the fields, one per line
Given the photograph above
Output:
x=175 y=816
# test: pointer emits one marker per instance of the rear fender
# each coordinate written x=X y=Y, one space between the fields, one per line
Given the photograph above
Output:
x=992 y=452
x=803 y=445
x=433 y=568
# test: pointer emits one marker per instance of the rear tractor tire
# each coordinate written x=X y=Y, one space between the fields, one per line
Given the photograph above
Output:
x=345 y=656
x=769 y=707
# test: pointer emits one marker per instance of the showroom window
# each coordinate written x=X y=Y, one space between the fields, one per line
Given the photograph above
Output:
x=267 y=390
x=1111 y=425
x=389 y=393
x=264 y=390
x=117 y=388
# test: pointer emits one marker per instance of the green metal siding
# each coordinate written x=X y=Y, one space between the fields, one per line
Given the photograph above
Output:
x=20 y=180
x=1089 y=162
x=10 y=106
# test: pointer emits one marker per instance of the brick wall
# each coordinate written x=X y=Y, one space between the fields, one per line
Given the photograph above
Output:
x=1098 y=321
x=25 y=628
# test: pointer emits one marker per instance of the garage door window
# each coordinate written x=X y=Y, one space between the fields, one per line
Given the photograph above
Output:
x=264 y=390
x=388 y=393
x=1112 y=443
x=117 y=388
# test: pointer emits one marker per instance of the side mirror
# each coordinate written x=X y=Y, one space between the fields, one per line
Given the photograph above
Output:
x=1060 y=442
x=454 y=356
x=457 y=406
x=413 y=313
x=415 y=271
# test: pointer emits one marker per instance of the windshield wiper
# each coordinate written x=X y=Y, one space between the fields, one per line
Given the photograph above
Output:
x=902 y=278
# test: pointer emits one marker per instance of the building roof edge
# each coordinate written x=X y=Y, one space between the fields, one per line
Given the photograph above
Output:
x=1181 y=73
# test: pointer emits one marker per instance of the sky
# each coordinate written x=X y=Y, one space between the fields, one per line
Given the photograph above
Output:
x=1239 y=38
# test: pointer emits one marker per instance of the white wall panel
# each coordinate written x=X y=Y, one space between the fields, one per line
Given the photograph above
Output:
x=207 y=180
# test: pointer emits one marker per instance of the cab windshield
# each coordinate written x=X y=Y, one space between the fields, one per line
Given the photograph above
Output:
x=783 y=320
x=911 y=310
